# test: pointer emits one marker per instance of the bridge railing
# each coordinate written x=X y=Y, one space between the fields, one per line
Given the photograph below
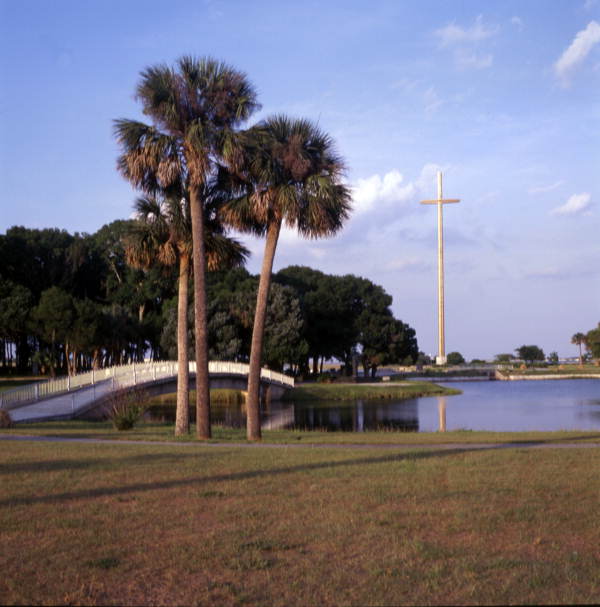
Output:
x=123 y=376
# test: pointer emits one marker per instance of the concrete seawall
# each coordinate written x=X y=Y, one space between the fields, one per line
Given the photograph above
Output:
x=501 y=377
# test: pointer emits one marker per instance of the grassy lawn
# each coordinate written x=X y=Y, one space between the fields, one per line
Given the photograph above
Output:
x=158 y=524
x=9 y=384
x=161 y=432
x=338 y=391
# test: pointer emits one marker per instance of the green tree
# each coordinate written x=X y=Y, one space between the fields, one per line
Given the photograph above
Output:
x=382 y=338
x=592 y=341
x=138 y=292
x=504 y=358
x=455 y=358
x=289 y=174
x=85 y=335
x=16 y=302
x=54 y=317
x=328 y=311
x=530 y=354
x=423 y=359
x=579 y=339
x=194 y=108
x=553 y=358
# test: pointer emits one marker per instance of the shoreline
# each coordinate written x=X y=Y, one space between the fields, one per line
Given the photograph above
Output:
x=499 y=377
x=548 y=376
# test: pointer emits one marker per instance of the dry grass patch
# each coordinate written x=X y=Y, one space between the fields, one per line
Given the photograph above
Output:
x=155 y=524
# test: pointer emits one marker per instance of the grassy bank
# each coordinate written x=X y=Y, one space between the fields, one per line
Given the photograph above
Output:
x=162 y=432
x=442 y=373
x=586 y=370
x=155 y=524
x=9 y=384
x=339 y=391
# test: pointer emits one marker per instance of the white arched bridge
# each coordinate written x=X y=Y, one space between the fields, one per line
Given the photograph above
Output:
x=78 y=395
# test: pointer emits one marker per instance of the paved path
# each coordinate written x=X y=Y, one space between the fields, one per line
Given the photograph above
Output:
x=261 y=445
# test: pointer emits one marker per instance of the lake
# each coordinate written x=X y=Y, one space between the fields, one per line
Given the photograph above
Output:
x=501 y=406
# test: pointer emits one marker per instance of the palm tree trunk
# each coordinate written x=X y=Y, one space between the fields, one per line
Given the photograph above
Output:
x=200 y=329
x=182 y=414
x=258 y=331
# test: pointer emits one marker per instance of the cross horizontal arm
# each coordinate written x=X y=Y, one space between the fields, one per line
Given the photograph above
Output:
x=443 y=201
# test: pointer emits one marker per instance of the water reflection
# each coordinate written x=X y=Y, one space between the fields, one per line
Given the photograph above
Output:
x=494 y=406
x=441 y=413
x=351 y=416
x=357 y=416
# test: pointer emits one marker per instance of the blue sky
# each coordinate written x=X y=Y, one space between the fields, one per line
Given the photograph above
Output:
x=502 y=96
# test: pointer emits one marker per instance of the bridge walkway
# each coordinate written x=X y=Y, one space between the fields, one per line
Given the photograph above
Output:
x=65 y=398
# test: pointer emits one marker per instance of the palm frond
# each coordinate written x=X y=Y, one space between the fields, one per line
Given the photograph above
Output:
x=290 y=172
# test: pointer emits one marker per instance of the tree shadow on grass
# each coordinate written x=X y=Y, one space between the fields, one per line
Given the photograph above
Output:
x=238 y=476
x=101 y=464
x=583 y=437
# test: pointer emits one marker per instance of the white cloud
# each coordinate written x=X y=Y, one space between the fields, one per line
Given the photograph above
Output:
x=409 y=264
x=517 y=22
x=317 y=252
x=576 y=204
x=463 y=42
x=545 y=188
x=467 y=59
x=544 y=272
x=390 y=191
x=369 y=192
x=578 y=50
x=406 y=85
x=453 y=34
x=432 y=100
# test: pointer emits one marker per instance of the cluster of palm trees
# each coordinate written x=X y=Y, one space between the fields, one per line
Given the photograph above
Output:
x=200 y=173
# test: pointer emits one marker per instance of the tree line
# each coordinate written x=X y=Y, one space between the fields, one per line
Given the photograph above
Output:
x=72 y=302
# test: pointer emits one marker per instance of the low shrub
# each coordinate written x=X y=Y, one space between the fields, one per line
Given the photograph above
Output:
x=5 y=419
x=126 y=408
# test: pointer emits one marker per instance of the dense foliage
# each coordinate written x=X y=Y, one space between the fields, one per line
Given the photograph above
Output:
x=592 y=342
x=530 y=354
x=69 y=303
x=455 y=358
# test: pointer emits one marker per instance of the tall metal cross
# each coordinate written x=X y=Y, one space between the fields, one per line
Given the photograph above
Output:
x=441 y=357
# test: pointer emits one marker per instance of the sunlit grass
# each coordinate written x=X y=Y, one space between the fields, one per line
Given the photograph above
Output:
x=408 y=389
x=157 y=524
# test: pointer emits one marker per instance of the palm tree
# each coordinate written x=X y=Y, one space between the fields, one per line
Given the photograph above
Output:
x=579 y=339
x=164 y=235
x=194 y=109
x=287 y=172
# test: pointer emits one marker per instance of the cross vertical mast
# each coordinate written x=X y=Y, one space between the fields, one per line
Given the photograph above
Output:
x=441 y=357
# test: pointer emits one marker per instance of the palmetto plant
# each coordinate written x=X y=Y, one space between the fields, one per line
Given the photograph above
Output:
x=163 y=234
x=194 y=108
x=286 y=172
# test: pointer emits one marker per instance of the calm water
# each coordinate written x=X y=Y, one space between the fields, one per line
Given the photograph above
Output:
x=484 y=405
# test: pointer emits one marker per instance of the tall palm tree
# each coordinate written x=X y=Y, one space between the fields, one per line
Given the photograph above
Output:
x=163 y=234
x=287 y=172
x=579 y=339
x=194 y=108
